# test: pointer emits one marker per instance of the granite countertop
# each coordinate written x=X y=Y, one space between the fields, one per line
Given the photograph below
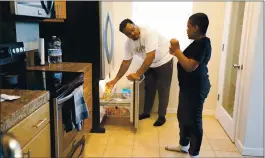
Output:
x=64 y=66
x=12 y=112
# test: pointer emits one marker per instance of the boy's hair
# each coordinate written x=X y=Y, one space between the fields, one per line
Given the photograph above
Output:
x=201 y=20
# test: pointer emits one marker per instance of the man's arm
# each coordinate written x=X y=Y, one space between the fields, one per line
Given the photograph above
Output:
x=147 y=62
x=123 y=69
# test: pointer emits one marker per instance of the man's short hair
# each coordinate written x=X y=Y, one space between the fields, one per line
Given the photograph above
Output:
x=124 y=23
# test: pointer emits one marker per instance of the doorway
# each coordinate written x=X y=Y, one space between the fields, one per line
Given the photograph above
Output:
x=230 y=68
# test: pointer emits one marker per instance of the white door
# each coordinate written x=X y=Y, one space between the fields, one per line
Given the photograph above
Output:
x=230 y=68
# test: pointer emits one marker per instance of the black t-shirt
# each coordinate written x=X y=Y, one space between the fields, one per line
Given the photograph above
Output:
x=196 y=81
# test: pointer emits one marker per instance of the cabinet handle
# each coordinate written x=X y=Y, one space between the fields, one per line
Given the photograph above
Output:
x=57 y=10
x=42 y=121
x=27 y=154
x=60 y=11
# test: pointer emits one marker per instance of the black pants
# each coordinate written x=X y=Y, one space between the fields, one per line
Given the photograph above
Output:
x=158 y=78
x=190 y=120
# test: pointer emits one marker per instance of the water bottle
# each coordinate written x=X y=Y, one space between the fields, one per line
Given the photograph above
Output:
x=54 y=51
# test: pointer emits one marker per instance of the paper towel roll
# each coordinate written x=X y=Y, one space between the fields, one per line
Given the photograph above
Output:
x=41 y=51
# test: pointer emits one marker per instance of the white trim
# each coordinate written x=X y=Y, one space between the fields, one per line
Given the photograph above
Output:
x=248 y=151
x=205 y=112
x=172 y=110
x=208 y=113
x=228 y=122
x=252 y=11
x=247 y=62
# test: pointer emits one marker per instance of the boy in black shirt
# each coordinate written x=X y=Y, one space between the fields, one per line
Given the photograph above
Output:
x=193 y=82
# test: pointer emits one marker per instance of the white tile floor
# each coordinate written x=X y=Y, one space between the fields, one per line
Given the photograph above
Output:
x=149 y=141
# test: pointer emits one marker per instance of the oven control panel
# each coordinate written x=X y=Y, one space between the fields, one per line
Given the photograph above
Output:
x=11 y=50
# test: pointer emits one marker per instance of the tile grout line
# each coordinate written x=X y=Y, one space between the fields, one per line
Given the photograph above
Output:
x=133 y=142
x=159 y=155
x=105 y=146
x=211 y=147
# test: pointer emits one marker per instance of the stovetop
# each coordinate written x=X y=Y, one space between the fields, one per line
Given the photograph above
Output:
x=58 y=84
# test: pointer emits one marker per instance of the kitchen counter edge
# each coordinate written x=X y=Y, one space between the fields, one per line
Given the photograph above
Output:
x=13 y=112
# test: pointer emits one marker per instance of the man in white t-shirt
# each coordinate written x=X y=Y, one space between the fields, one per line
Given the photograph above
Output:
x=157 y=66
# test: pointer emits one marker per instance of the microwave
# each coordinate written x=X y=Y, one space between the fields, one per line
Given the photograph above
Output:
x=41 y=9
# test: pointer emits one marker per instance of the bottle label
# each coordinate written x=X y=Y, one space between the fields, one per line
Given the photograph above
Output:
x=54 y=52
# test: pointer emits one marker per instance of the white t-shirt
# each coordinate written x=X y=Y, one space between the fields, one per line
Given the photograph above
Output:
x=149 y=41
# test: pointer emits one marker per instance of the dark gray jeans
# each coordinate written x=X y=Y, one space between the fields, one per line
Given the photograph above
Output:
x=189 y=115
x=158 y=79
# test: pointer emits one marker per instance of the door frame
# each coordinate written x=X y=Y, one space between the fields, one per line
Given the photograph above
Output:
x=249 y=33
x=228 y=122
x=253 y=11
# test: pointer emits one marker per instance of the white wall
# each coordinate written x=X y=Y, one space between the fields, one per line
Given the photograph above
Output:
x=215 y=12
x=255 y=130
x=249 y=139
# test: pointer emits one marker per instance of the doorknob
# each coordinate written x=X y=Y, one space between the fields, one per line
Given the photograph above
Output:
x=236 y=66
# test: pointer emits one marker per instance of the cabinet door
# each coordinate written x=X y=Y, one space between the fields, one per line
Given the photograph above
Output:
x=39 y=146
x=29 y=127
x=60 y=9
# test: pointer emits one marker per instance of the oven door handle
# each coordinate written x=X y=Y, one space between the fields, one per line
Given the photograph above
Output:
x=60 y=101
x=140 y=80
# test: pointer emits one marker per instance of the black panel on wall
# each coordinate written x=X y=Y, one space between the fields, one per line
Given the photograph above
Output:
x=83 y=43
x=83 y=30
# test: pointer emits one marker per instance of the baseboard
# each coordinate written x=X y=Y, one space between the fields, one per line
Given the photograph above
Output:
x=172 y=110
x=248 y=151
x=205 y=112
x=208 y=112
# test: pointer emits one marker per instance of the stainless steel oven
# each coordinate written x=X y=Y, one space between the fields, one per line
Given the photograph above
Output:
x=68 y=144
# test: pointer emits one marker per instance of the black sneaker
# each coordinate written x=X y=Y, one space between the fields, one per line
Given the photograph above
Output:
x=160 y=121
x=144 y=116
